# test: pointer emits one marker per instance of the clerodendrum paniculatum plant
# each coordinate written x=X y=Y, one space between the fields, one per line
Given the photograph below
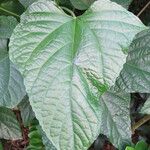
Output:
x=71 y=67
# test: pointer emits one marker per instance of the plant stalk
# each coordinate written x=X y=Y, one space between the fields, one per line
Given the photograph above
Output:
x=69 y=11
x=9 y=12
x=140 y=123
x=143 y=9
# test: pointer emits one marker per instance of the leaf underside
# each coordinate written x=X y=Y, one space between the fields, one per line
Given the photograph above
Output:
x=60 y=57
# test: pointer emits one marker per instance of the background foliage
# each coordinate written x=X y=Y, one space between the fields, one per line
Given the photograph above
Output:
x=43 y=46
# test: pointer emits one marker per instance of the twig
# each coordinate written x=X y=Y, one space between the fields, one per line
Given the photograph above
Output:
x=9 y=12
x=143 y=9
x=69 y=11
x=140 y=123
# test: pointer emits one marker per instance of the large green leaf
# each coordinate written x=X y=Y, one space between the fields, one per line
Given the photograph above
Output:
x=9 y=126
x=116 y=124
x=84 y=4
x=60 y=57
x=12 y=89
x=135 y=76
x=146 y=108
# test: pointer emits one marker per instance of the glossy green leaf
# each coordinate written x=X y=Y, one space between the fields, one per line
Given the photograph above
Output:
x=141 y=146
x=146 y=108
x=116 y=124
x=135 y=76
x=27 y=113
x=12 y=89
x=7 y=25
x=129 y=148
x=60 y=57
x=9 y=126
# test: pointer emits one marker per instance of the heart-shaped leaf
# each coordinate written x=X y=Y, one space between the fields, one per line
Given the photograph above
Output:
x=60 y=57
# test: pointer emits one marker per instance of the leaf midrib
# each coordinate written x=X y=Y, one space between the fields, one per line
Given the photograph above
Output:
x=71 y=77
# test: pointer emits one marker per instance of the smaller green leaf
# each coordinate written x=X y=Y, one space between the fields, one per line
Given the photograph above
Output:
x=141 y=146
x=35 y=138
x=1 y=146
x=7 y=25
x=146 y=108
x=129 y=148
x=9 y=126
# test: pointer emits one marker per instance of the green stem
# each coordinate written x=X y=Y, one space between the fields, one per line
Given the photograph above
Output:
x=69 y=11
x=9 y=12
x=143 y=9
x=140 y=123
